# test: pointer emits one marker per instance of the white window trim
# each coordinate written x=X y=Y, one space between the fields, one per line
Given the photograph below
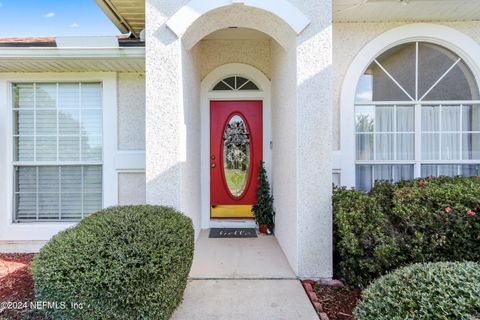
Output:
x=45 y=230
x=465 y=47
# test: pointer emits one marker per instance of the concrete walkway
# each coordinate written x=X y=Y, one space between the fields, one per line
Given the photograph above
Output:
x=242 y=279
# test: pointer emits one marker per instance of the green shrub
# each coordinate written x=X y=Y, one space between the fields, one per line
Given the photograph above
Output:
x=128 y=262
x=432 y=217
x=363 y=248
x=442 y=290
x=398 y=224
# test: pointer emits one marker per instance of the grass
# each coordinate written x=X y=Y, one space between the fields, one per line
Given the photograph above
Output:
x=236 y=180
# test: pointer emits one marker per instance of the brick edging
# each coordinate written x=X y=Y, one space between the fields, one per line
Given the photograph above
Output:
x=307 y=285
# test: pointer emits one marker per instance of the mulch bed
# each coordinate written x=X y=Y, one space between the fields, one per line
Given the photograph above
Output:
x=331 y=299
x=16 y=285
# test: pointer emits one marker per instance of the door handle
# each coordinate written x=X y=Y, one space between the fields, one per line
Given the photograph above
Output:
x=213 y=166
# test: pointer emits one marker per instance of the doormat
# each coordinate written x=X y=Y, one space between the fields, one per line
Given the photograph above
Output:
x=232 y=233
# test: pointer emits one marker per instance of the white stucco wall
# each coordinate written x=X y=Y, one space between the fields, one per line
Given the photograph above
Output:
x=163 y=105
x=237 y=16
x=131 y=188
x=173 y=73
x=190 y=137
x=172 y=126
x=350 y=38
x=314 y=127
x=131 y=111
x=214 y=53
x=284 y=146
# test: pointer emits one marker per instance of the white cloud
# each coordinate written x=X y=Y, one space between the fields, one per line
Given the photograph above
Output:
x=74 y=25
x=364 y=95
x=49 y=15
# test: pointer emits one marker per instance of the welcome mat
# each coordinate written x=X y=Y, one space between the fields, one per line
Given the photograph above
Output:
x=232 y=233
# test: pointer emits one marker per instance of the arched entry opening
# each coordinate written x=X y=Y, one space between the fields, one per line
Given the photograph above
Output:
x=242 y=41
x=292 y=54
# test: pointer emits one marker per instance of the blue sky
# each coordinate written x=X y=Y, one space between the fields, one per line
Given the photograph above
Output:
x=25 y=18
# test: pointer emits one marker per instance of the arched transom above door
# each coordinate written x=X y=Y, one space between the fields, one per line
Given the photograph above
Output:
x=235 y=83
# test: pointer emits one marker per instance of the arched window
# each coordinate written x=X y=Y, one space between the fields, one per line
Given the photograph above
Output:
x=417 y=114
x=235 y=83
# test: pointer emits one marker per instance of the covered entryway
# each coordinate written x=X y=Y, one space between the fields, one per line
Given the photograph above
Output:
x=240 y=47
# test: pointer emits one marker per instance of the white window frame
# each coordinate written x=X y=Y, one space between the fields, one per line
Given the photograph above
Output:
x=9 y=230
x=444 y=36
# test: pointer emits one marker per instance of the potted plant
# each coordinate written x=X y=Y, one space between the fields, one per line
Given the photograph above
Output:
x=263 y=208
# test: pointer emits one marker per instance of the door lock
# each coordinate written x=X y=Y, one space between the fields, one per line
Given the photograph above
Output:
x=213 y=157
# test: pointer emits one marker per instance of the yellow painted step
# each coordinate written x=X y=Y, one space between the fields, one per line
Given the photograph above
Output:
x=231 y=211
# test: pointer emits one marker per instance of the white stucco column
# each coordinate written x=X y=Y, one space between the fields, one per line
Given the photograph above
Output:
x=313 y=136
x=172 y=115
x=163 y=107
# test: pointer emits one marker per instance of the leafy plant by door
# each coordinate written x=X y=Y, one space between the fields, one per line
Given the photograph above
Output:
x=263 y=208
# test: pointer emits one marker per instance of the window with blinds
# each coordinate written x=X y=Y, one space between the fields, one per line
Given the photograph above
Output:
x=57 y=156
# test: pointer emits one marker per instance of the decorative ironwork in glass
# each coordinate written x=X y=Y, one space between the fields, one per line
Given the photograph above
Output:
x=236 y=155
x=235 y=83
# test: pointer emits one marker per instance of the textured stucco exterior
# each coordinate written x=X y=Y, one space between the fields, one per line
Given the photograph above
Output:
x=237 y=16
x=131 y=188
x=284 y=138
x=131 y=111
x=172 y=107
x=214 y=53
x=314 y=124
x=163 y=105
x=300 y=69
x=156 y=124
x=350 y=38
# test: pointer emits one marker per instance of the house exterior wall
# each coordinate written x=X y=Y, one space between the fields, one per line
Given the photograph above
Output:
x=131 y=137
x=284 y=144
x=172 y=126
x=313 y=123
x=214 y=53
x=131 y=111
x=131 y=188
x=189 y=143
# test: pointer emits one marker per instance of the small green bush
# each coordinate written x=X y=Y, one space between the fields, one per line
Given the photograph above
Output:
x=363 y=248
x=128 y=262
x=423 y=220
x=442 y=290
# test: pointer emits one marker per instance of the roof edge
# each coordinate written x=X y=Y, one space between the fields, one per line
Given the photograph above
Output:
x=117 y=20
x=72 y=53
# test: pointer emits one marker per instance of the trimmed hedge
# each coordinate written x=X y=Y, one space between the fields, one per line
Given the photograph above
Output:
x=129 y=262
x=442 y=290
x=421 y=220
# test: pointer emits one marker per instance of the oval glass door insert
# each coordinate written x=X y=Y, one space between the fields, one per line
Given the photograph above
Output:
x=236 y=155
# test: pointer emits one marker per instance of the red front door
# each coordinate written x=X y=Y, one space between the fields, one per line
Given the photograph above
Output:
x=236 y=144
